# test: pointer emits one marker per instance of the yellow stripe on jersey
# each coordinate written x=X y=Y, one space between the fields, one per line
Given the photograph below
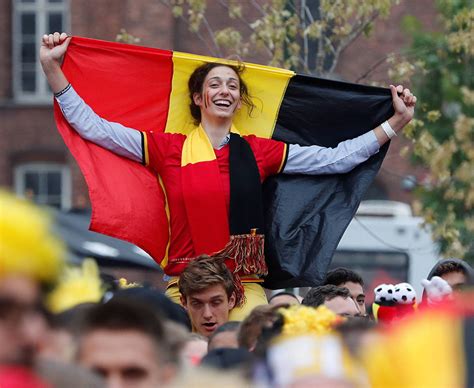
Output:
x=164 y=262
x=146 y=157
x=283 y=159
x=197 y=148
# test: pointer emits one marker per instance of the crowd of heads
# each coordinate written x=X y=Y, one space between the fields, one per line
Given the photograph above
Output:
x=63 y=326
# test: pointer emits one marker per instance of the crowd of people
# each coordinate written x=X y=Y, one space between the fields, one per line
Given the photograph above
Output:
x=63 y=326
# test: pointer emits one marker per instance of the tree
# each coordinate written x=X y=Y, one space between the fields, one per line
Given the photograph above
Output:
x=443 y=133
x=303 y=35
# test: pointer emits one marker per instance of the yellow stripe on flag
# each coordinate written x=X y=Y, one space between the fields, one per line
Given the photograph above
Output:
x=267 y=86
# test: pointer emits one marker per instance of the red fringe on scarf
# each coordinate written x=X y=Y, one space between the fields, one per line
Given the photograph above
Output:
x=244 y=254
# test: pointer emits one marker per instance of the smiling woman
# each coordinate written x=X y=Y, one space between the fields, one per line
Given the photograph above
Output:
x=211 y=175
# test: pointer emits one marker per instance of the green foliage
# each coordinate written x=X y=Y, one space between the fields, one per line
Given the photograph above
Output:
x=443 y=134
x=124 y=37
x=304 y=35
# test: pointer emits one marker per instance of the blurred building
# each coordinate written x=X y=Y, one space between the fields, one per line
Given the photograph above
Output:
x=33 y=159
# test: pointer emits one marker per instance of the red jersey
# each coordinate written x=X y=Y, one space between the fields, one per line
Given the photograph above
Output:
x=163 y=155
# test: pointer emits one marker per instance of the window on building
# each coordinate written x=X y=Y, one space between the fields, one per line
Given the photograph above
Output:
x=44 y=183
x=31 y=20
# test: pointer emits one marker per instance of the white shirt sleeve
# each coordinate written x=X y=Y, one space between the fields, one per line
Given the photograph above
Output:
x=115 y=137
x=316 y=160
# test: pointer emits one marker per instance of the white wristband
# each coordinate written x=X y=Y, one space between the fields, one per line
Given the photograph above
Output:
x=388 y=130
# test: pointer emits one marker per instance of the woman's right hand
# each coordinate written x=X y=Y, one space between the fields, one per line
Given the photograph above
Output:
x=53 y=48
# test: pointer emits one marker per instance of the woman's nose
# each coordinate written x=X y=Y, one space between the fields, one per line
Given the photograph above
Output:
x=224 y=90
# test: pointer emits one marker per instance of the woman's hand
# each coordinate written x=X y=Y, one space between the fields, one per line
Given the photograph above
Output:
x=404 y=106
x=403 y=103
x=52 y=50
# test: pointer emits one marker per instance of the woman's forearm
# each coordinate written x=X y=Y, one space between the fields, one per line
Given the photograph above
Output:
x=55 y=76
x=316 y=160
x=396 y=122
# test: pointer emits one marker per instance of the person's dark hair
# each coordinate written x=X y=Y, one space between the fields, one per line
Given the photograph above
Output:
x=341 y=275
x=449 y=266
x=71 y=320
x=268 y=334
x=204 y=272
x=282 y=294
x=157 y=301
x=228 y=327
x=318 y=295
x=121 y=315
x=252 y=326
x=196 y=82
x=227 y=359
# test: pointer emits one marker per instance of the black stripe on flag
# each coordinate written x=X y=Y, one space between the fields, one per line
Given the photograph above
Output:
x=305 y=216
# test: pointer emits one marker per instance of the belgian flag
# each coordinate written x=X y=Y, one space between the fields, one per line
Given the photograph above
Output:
x=146 y=89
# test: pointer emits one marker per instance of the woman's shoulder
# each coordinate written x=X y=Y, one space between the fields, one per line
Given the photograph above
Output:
x=170 y=135
x=166 y=136
x=259 y=141
x=164 y=140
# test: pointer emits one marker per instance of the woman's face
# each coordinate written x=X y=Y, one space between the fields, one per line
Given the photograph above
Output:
x=220 y=97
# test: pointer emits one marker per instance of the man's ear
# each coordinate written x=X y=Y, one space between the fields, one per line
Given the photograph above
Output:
x=197 y=98
x=182 y=298
x=232 y=300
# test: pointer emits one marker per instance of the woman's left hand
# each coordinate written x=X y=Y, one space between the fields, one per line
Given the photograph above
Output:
x=403 y=103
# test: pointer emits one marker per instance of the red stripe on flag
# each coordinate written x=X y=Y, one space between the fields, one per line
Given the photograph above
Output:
x=130 y=85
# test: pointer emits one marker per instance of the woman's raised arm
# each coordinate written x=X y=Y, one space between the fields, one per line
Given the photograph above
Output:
x=115 y=137
x=52 y=50
x=348 y=154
